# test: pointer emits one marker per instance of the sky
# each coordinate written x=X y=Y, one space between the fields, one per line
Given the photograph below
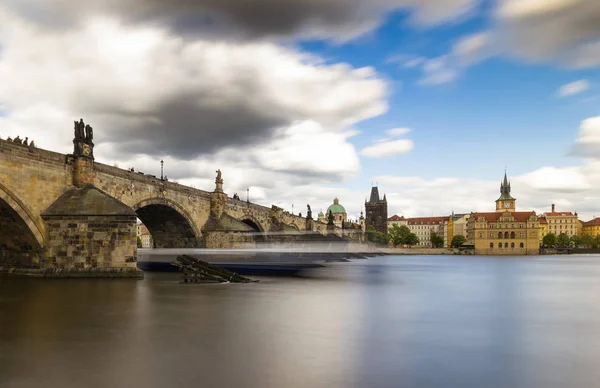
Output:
x=301 y=101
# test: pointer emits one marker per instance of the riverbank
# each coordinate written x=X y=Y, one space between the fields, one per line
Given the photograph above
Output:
x=420 y=251
x=60 y=273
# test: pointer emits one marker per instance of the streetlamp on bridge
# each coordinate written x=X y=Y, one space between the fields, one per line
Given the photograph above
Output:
x=161 y=170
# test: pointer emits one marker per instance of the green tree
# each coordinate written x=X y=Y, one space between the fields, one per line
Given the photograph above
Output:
x=596 y=241
x=371 y=233
x=562 y=240
x=575 y=240
x=587 y=240
x=411 y=239
x=549 y=240
x=397 y=234
x=437 y=241
x=139 y=242
x=458 y=240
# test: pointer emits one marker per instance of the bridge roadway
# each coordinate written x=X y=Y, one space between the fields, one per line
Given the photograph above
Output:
x=68 y=211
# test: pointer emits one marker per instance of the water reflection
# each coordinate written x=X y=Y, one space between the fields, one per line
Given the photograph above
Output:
x=384 y=322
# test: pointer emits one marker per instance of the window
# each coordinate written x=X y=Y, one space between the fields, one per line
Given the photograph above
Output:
x=480 y=235
x=491 y=235
x=499 y=234
x=491 y=245
x=512 y=245
x=512 y=234
x=506 y=235
x=521 y=245
x=505 y=245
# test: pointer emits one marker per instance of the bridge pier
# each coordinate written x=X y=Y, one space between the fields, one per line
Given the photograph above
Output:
x=88 y=228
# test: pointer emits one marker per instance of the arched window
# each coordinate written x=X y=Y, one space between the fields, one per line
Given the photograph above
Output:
x=521 y=245
x=505 y=245
x=505 y=234
x=512 y=234
x=512 y=245
x=499 y=234
x=491 y=245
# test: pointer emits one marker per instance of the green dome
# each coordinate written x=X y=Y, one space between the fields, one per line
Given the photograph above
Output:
x=336 y=208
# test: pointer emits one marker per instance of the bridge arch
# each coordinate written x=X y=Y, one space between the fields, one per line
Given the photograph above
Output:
x=256 y=225
x=22 y=237
x=170 y=225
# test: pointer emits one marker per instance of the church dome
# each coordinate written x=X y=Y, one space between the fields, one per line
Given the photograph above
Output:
x=336 y=208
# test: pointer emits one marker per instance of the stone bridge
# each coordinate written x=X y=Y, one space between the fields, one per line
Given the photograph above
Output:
x=60 y=210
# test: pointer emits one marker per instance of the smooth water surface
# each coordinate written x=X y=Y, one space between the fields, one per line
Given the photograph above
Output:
x=411 y=321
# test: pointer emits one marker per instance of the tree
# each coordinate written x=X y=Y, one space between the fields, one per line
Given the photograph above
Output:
x=575 y=240
x=411 y=239
x=371 y=233
x=139 y=242
x=596 y=241
x=549 y=240
x=458 y=240
x=397 y=234
x=375 y=236
x=587 y=240
x=437 y=241
x=562 y=240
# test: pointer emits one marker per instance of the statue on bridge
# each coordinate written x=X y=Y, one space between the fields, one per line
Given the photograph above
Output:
x=83 y=140
x=79 y=130
x=219 y=182
x=308 y=212
x=89 y=134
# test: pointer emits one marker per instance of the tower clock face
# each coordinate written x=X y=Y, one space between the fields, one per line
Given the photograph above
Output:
x=507 y=205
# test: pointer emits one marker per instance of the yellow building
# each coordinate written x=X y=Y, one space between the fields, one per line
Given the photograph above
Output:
x=505 y=231
x=543 y=227
x=592 y=228
x=562 y=222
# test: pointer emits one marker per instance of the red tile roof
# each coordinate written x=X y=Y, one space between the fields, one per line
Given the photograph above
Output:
x=495 y=216
x=426 y=220
x=395 y=217
x=543 y=220
x=558 y=214
x=594 y=222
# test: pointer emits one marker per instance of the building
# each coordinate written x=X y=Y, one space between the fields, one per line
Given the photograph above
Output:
x=376 y=209
x=423 y=227
x=505 y=231
x=562 y=222
x=454 y=225
x=591 y=228
x=339 y=213
x=396 y=220
x=543 y=228
x=144 y=234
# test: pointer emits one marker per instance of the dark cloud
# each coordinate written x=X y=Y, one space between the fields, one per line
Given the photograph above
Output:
x=183 y=128
x=244 y=18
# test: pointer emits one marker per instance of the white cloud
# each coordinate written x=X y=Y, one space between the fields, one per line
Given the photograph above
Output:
x=397 y=131
x=412 y=63
x=438 y=71
x=387 y=148
x=572 y=88
x=587 y=143
x=472 y=48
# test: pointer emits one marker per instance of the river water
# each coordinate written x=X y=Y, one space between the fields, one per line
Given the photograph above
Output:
x=411 y=321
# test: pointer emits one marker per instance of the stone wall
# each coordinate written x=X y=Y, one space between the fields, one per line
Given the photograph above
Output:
x=91 y=242
x=227 y=240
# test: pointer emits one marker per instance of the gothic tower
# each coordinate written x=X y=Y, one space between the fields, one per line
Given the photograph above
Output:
x=376 y=211
x=505 y=202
